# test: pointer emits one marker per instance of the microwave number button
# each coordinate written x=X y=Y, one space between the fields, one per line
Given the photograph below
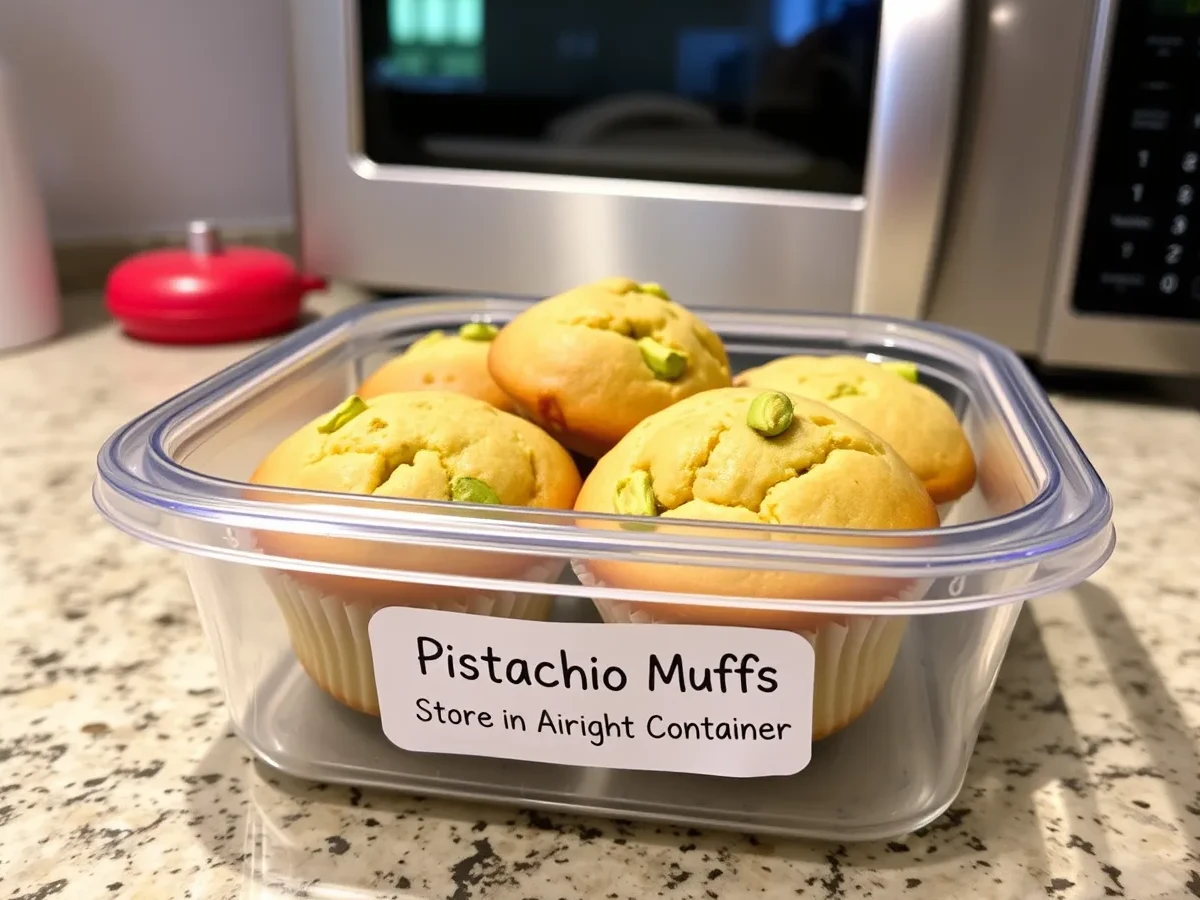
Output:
x=1161 y=66
x=1168 y=284
x=1131 y=252
x=1121 y=282
x=1131 y=222
x=1164 y=46
x=1150 y=118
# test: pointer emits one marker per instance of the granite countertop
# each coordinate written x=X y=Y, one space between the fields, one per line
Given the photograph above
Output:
x=119 y=776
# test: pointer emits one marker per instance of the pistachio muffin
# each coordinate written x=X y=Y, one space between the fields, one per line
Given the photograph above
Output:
x=423 y=445
x=745 y=456
x=889 y=401
x=443 y=362
x=589 y=364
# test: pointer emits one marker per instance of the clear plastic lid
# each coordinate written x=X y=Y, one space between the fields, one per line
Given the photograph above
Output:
x=1038 y=520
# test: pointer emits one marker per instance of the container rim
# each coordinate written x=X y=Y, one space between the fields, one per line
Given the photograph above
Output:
x=1071 y=509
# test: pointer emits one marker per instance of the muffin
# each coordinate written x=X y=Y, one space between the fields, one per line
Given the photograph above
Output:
x=443 y=362
x=589 y=364
x=887 y=399
x=741 y=455
x=425 y=445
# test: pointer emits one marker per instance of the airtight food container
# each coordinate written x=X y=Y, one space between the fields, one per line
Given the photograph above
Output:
x=479 y=652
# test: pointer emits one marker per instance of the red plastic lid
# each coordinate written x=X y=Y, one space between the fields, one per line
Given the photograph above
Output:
x=206 y=293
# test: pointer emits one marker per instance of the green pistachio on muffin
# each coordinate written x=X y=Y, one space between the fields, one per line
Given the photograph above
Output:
x=478 y=331
x=465 y=489
x=653 y=287
x=633 y=495
x=346 y=410
x=666 y=363
x=770 y=413
x=906 y=370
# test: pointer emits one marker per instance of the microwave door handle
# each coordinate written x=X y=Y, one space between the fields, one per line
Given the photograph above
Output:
x=914 y=122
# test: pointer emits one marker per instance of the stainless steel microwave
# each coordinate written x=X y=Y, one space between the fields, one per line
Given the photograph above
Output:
x=1026 y=169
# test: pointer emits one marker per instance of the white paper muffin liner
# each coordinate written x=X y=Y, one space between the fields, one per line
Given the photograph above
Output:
x=854 y=658
x=329 y=631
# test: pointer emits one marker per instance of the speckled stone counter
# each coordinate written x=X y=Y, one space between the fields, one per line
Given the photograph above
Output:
x=119 y=776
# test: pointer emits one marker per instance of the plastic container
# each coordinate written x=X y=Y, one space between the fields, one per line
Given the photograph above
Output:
x=1037 y=521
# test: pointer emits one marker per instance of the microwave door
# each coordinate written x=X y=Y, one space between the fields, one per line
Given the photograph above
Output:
x=784 y=154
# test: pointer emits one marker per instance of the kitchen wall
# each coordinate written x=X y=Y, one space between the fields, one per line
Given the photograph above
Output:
x=143 y=114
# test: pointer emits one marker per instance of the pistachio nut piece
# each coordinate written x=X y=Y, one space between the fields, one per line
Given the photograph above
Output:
x=770 y=413
x=465 y=489
x=478 y=331
x=634 y=495
x=906 y=370
x=653 y=287
x=347 y=410
x=666 y=363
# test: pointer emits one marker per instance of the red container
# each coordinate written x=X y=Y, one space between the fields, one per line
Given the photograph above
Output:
x=207 y=293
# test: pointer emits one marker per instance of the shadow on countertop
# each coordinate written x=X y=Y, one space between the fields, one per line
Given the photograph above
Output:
x=1182 y=391
x=1161 y=727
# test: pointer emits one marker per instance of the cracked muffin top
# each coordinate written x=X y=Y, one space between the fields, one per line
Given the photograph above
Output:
x=442 y=362
x=742 y=455
x=425 y=445
x=589 y=364
x=918 y=423
x=704 y=460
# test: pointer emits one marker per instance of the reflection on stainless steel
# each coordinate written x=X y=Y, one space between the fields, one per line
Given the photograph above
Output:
x=1022 y=84
x=596 y=121
x=912 y=145
x=693 y=150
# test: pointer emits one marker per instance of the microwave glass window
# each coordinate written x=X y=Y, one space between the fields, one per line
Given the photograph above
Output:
x=759 y=93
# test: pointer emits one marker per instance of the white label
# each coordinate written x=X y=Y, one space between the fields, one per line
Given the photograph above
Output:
x=669 y=698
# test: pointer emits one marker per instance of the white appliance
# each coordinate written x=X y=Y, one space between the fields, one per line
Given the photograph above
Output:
x=29 y=305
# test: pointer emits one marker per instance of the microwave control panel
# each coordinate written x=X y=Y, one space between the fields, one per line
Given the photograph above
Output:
x=1140 y=250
